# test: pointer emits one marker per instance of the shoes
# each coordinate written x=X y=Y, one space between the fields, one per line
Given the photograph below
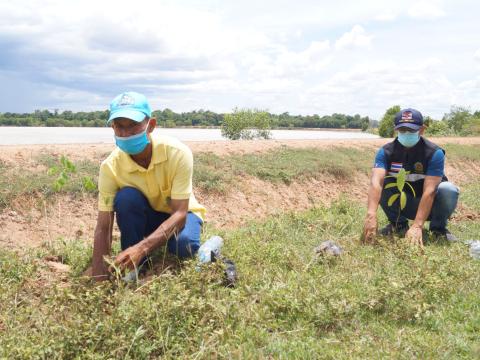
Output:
x=443 y=234
x=390 y=229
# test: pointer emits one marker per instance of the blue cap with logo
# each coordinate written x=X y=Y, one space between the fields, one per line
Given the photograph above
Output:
x=130 y=105
x=409 y=118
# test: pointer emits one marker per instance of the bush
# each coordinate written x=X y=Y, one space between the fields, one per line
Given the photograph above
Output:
x=246 y=124
x=457 y=118
x=438 y=128
x=471 y=127
x=385 y=128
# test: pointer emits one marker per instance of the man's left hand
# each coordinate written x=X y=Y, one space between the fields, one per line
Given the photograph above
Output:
x=130 y=258
x=414 y=236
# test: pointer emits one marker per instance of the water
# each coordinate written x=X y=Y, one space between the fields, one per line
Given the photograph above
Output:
x=69 y=135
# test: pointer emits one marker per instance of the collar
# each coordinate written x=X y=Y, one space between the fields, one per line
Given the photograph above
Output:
x=159 y=155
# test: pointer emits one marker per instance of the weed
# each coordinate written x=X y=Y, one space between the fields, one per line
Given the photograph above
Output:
x=372 y=302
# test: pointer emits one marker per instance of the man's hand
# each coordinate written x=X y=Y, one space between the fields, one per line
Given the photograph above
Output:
x=370 y=229
x=130 y=258
x=414 y=236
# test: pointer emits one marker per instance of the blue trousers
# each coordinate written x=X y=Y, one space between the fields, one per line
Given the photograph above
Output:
x=136 y=219
x=445 y=202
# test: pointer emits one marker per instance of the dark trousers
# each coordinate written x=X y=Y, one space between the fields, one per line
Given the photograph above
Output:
x=136 y=220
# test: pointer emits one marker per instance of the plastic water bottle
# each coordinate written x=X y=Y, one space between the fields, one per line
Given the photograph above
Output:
x=475 y=249
x=328 y=248
x=212 y=245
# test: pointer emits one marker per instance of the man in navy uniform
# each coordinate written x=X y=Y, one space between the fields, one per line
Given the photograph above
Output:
x=434 y=198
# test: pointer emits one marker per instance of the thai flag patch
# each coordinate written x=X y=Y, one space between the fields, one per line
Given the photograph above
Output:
x=407 y=115
x=396 y=166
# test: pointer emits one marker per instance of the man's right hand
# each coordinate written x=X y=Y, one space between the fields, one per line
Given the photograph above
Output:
x=370 y=229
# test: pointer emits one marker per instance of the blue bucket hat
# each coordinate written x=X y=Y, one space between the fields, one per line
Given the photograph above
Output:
x=409 y=118
x=130 y=105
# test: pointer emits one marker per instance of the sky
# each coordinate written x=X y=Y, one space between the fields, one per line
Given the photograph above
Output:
x=302 y=57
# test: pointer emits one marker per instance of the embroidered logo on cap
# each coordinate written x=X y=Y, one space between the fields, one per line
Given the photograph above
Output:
x=126 y=100
x=407 y=116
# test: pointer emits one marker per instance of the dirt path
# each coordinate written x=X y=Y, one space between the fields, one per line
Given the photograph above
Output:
x=29 y=224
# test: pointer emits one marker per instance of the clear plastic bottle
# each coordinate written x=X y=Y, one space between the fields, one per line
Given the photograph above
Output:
x=475 y=249
x=212 y=245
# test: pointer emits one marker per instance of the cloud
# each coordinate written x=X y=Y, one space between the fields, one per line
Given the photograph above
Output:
x=476 y=56
x=426 y=9
x=371 y=88
x=355 y=38
x=284 y=56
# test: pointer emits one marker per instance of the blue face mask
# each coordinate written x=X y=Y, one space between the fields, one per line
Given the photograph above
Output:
x=134 y=144
x=408 y=139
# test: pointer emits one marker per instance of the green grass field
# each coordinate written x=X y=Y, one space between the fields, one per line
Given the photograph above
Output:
x=384 y=301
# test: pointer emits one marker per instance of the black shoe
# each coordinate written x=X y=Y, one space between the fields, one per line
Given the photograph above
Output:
x=390 y=229
x=443 y=234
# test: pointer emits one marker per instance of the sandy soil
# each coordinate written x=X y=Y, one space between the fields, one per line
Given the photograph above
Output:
x=29 y=224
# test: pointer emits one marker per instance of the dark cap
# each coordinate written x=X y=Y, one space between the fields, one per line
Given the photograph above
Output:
x=409 y=118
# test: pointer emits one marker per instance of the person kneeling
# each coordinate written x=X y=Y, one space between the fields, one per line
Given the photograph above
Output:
x=147 y=182
x=434 y=198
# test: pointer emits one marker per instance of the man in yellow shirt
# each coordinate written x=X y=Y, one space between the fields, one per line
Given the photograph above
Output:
x=147 y=182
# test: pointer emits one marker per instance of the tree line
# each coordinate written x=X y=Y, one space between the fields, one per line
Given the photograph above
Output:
x=168 y=118
x=459 y=121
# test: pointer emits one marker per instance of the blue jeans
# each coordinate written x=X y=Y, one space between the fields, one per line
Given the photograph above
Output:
x=136 y=220
x=443 y=206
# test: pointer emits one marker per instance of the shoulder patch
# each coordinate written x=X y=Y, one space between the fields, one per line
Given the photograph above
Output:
x=418 y=166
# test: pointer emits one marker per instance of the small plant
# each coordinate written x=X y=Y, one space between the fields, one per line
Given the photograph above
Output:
x=64 y=171
x=88 y=184
x=399 y=183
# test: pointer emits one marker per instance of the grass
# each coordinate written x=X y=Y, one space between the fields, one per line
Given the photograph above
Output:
x=286 y=164
x=213 y=174
x=216 y=174
x=17 y=183
x=469 y=196
x=372 y=302
x=457 y=152
x=386 y=301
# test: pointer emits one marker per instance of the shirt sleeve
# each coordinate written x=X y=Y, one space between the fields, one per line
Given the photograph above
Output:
x=182 y=180
x=107 y=188
x=436 y=165
x=380 y=160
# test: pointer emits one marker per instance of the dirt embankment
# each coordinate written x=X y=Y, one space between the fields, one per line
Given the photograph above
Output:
x=29 y=224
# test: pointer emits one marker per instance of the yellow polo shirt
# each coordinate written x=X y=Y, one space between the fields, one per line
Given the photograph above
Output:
x=169 y=176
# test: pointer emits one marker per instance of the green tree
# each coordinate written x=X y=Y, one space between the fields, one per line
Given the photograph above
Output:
x=471 y=127
x=457 y=117
x=385 y=128
x=246 y=124
x=438 y=128
x=365 y=123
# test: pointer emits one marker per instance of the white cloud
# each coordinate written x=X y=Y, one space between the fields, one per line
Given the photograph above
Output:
x=379 y=85
x=285 y=56
x=356 y=38
x=426 y=9
x=476 y=56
